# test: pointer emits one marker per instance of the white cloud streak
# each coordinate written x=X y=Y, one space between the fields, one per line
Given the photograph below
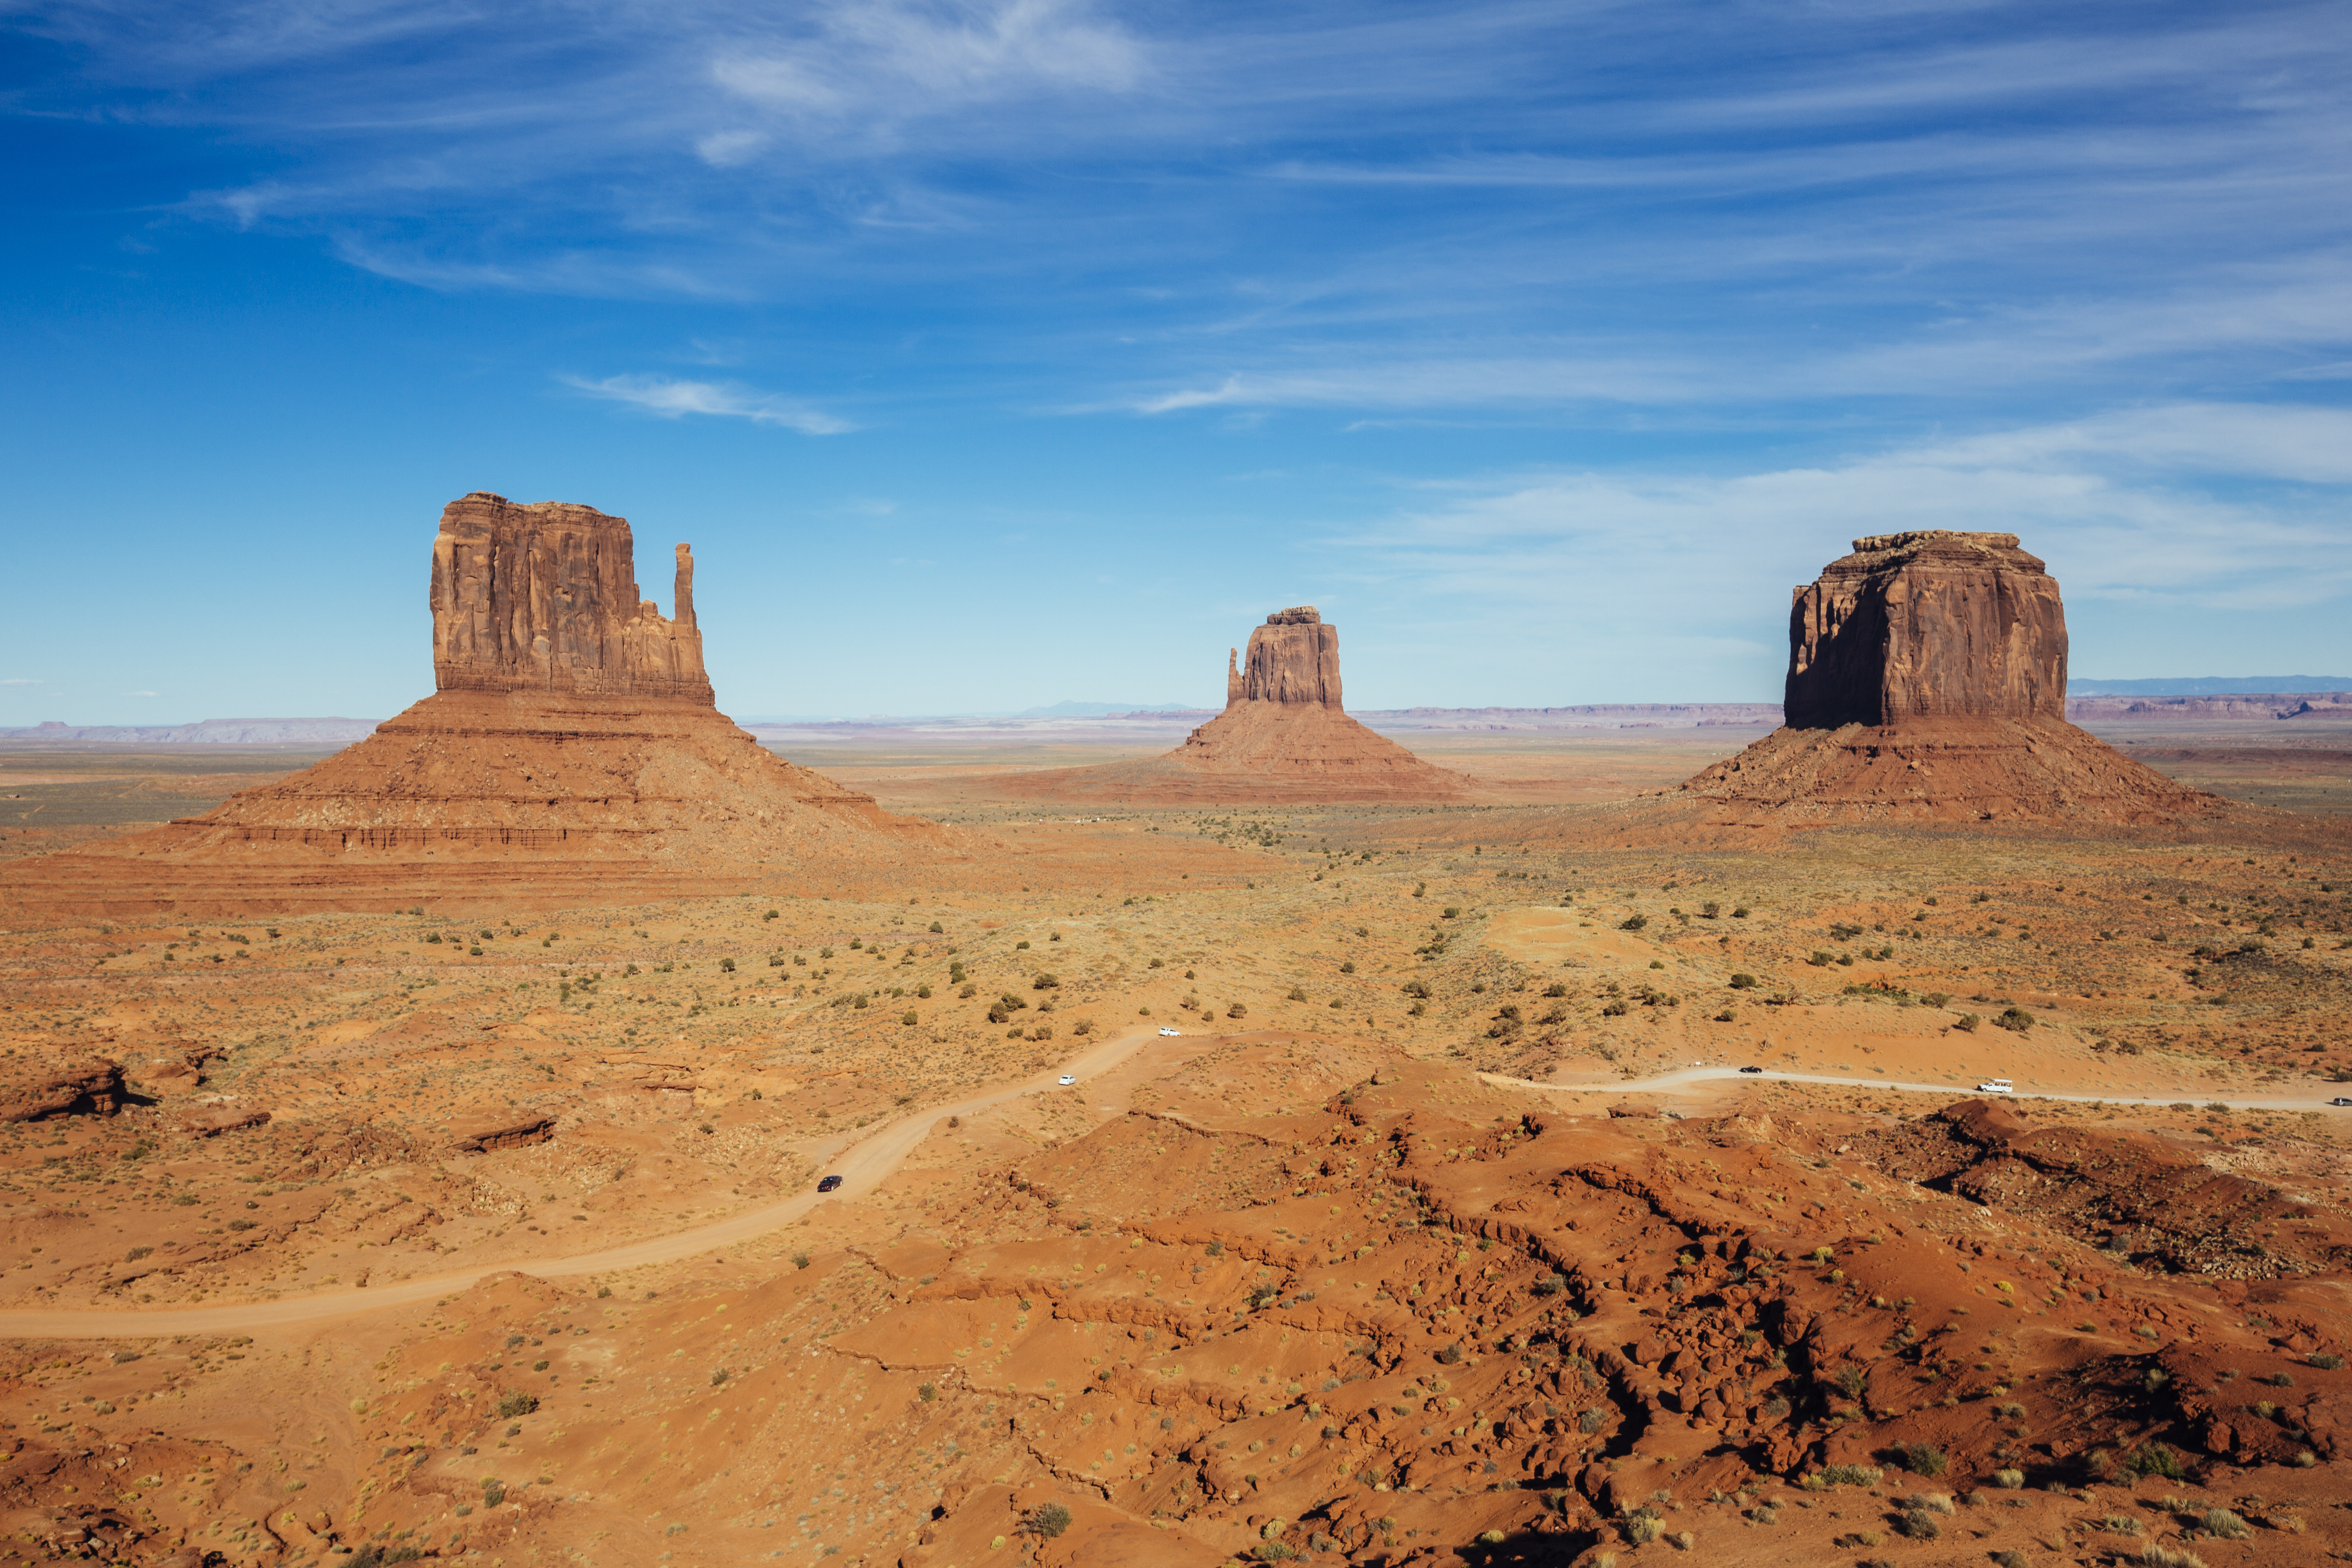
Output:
x=2104 y=501
x=670 y=398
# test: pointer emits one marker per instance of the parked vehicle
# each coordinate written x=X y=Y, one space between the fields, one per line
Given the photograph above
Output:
x=1066 y=1080
x=1171 y=1031
x=828 y=1184
x=2339 y=1100
x=1751 y=1069
x=1996 y=1086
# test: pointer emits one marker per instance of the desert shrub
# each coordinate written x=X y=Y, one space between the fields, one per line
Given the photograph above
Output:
x=1852 y=1380
x=1237 y=1011
x=1594 y=1419
x=1967 y=1022
x=727 y=966
x=517 y=1402
x=2156 y=1459
x=927 y=1392
x=2327 y=1362
x=2012 y=1559
x=1920 y=1525
x=2120 y=1524
x=1047 y=1520
x=1635 y=923
x=1550 y=1285
x=1045 y=982
x=494 y=1492
x=908 y=1017
x=2157 y=1556
x=1928 y=1502
x=1847 y=1476
x=719 y=1376
x=1643 y=1527
x=2223 y=1524
x=799 y=1260
x=1299 y=994
x=1922 y=1458
x=136 y=1253
x=1743 y=983
x=2015 y=1019
x=1450 y=1356
x=2008 y=1479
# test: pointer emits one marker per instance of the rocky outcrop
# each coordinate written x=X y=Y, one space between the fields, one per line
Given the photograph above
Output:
x=1929 y=625
x=511 y=1130
x=572 y=754
x=544 y=597
x=34 y=1092
x=1283 y=737
x=1926 y=682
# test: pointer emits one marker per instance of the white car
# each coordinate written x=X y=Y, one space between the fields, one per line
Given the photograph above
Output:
x=1996 y=1086
x=1167 y=1032
x=1068 y=1078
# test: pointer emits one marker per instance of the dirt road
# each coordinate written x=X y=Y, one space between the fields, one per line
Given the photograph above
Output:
x=863 y=1166
x=1666 y=1083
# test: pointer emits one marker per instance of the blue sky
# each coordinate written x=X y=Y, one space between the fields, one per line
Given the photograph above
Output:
x=995 y=355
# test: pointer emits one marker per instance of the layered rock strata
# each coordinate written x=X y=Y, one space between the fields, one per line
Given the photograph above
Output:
x=1283 y=737
x=573 y=753
x=544 y=598
x=1926 y=681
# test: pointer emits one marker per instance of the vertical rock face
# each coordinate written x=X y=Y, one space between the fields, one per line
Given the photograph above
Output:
x=571 y=753
x=1294 y=657
x=1928 y=682
x=1929 y=625
x=544 y=598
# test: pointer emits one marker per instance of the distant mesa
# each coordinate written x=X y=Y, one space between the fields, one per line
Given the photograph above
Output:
x=1927 y=681
x=571 y=753
x=1282 y=738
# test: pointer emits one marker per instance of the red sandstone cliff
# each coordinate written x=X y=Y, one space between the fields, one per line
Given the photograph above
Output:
x=1926 y=681
x=544 y=598
x=1283 y=737
x=1926 y=625
x=574 y=754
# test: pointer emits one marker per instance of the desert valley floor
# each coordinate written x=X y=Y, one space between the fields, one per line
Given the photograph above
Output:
x=1446 y=1228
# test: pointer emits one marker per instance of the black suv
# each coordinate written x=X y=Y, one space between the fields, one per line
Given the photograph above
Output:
x=828 y=1184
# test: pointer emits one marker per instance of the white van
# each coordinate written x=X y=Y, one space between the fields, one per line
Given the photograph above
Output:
x=1996 y=1086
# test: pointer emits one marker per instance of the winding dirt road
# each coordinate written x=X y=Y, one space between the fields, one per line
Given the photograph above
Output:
x=862 y=1166
x=1666 y=1083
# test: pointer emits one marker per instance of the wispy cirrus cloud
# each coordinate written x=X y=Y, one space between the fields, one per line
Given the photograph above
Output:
x=2166 y=525
x=869 y=69
x=22 y=680
x=669 y=397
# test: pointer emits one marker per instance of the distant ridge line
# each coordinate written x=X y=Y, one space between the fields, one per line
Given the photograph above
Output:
x=2214 y=686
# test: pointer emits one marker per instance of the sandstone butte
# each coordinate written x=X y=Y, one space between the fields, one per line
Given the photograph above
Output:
x=1928 y=683
x=1283 y=739
x=571 y=753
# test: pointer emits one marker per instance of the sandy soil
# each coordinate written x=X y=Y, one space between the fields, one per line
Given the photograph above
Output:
x=1446 y=1231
